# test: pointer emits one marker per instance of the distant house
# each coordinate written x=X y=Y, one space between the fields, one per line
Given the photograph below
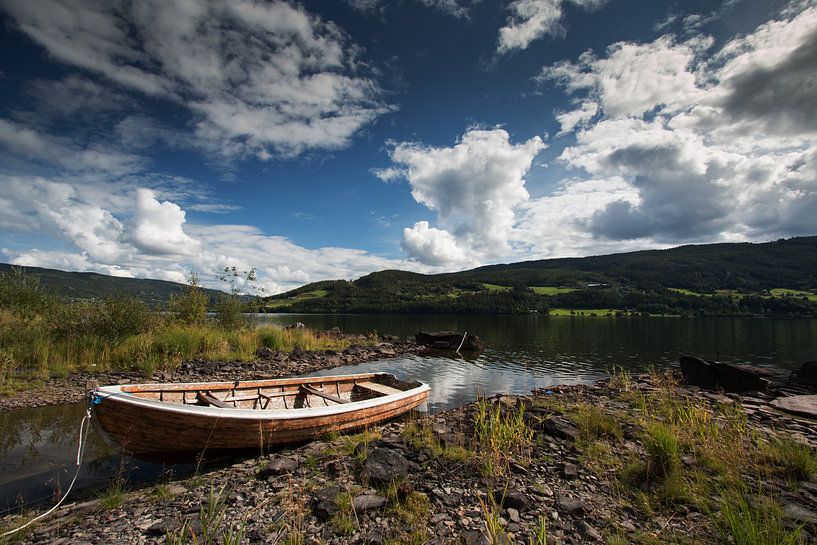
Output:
x=598 y=285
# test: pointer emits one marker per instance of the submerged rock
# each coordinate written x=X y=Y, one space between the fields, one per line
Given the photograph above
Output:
x=450 y=340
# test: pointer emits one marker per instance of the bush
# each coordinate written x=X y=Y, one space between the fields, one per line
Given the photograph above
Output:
x=191 y=306
x=229 y=311
x=22 y=294
x=113 y=319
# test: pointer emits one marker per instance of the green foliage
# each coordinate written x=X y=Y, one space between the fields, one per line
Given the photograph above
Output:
x=500 y=435
x=111 y=319
x=663 y=450
x=665 y=282
x=23 y=295
x=753 y=521
x=190 y=307
x=593 y=423
x=113 y=496
x=794 y=458
x=214 y=527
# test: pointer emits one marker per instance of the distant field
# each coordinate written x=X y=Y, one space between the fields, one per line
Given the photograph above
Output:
x=690 y=292
x=582 y=312
x=314 y=294
x=496 y=287
x=550 y=290
x=783 y=292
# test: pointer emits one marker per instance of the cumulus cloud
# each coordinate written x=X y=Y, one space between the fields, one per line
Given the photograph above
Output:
x=532 y=20
x=717 y=145
x=259 y=79
x=473 y=186
x=455 y=8
x=150 y=238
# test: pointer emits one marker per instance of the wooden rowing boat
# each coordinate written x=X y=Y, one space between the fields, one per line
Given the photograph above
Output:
x=150 y=419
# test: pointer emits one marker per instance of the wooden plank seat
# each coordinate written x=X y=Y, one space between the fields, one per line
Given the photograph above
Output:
x=314 y=391
x=209 y=399
x=378 y=388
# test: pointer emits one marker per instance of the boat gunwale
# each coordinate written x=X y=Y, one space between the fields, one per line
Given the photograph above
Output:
x=114 y=393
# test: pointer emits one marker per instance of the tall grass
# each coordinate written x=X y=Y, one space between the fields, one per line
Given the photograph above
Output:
x=43 y=337
x=500 y=435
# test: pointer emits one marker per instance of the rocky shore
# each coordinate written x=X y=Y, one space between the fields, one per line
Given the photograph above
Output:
x=268 y=364
x=632 y=459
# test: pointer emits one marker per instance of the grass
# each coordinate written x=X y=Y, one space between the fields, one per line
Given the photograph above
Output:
x=214 y=526
x=783 y=292
x=794 y=459
x=550 y=290
x=112 y=497
x=753 y=521
x=585 y=312
x=500 y=436
x=421 y=437
x=496 y=287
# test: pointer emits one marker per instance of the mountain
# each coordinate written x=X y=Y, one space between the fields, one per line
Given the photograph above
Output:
x=710 y=279
x=86 y=285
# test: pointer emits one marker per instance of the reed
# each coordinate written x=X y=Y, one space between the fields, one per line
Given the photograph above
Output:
x=500 y=436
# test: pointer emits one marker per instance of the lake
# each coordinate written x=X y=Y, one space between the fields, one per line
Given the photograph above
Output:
x=37 y=446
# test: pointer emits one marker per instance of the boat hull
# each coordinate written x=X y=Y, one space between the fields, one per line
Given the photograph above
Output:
x=148 y=427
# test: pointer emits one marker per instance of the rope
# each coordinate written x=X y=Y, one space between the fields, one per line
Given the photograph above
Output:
x=462 y=342
x=83 y=434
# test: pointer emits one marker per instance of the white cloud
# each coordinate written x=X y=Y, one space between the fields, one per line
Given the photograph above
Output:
x=473 y=186
x=257 y=78
x=534 y=19
x=632 y=78
x=133 y=233
x=158 y=227
x=434 y=246
x=718 y=148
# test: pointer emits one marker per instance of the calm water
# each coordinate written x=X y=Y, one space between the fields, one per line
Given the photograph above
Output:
x=37 y=445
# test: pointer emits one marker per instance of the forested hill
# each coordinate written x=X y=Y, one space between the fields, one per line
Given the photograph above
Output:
x=87 y=285
x=712 y=279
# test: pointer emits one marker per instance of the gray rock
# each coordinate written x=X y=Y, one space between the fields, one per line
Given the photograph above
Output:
x=796 y=512
x=279 y=466
x=324 y=502
x=571 y=506
x=510 y=498
x=589 y=531
x=569 y=471
x=368 y=502
x=561 y=428
x=513 y=514
x=384 y=465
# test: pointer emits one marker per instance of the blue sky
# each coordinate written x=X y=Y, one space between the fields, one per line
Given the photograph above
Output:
x=323 y=140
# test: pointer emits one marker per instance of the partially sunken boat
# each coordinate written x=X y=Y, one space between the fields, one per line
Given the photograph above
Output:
x=156 y=419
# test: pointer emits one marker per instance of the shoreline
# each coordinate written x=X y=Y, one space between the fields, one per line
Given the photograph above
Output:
x=580 y=475
x=58 y=391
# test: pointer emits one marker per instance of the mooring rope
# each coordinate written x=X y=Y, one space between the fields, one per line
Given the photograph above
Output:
x=83 y=433
x=462 y=342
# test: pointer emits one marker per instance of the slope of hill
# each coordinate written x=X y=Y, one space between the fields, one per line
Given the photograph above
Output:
x=712 y=279
x=86 y=285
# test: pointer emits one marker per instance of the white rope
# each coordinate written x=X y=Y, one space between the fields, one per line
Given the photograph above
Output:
x=83 y=433
x=462 y=342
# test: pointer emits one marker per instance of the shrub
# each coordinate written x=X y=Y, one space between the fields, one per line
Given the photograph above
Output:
x=190 y=307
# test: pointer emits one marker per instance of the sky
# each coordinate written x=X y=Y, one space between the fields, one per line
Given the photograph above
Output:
x=326 y=140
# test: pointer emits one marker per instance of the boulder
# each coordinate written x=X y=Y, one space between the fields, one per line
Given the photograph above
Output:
x=325 y=502
x=510 y=498
x=296 y=325
x=806 y=376
x=805 y=405
x=726 y=376
x=384 y=465
x=450 y=340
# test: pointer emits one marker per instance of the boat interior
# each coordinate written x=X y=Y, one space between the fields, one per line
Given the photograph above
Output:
x=276 y=394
